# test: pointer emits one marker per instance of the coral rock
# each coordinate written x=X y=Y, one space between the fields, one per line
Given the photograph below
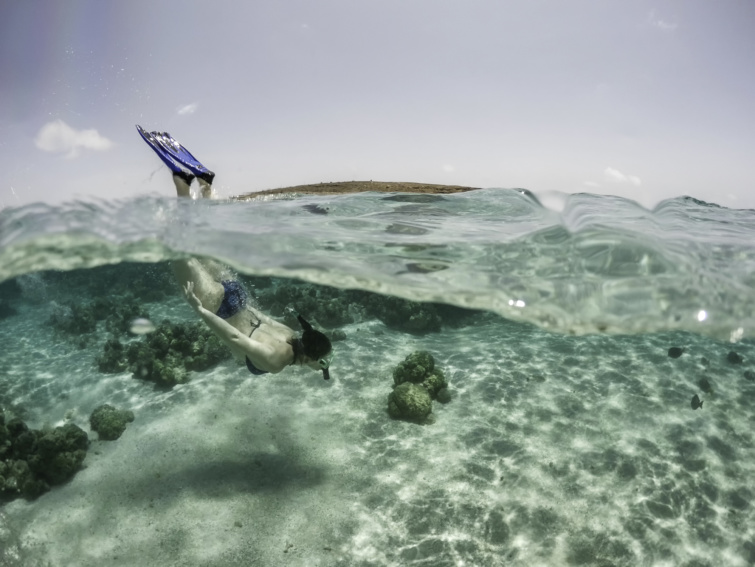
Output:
x=109 y=422
x=409 y=401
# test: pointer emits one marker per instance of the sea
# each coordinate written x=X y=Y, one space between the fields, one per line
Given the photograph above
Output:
x=600 y=359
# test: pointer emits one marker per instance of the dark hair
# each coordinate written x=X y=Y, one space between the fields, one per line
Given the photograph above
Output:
x=315 y=344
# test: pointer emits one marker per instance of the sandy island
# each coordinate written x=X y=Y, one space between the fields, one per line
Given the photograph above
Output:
x=338 y=187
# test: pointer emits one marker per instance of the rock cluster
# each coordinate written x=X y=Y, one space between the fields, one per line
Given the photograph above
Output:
x=10 y=292
x=7 y=309
x=31 y=461
x=77 y=318
x=110 y=423
x=147 y=282
x=416 y=383
x=333 y=307
x=166 y=355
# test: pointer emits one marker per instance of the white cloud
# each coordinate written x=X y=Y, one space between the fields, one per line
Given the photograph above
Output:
x=616 y=176
x=661 y=24
x=591 y=184
x=188 y=108
x=59 y=137
x=448 y=168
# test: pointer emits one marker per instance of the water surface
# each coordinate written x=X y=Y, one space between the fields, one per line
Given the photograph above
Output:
x=569 y=440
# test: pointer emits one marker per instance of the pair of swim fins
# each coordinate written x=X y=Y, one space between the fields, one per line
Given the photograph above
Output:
x=176 y=157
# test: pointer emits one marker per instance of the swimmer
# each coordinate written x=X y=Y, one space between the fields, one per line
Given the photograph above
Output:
x=265 y=345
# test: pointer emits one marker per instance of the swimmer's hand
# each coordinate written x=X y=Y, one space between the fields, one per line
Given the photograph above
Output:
x=193 y=300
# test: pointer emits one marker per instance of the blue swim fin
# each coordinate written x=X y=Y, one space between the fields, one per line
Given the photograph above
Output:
x=175 y=156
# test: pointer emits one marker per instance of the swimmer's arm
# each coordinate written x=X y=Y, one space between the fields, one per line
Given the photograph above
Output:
x=233 y=338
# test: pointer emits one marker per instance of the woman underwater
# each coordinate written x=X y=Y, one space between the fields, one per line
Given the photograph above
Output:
x=263 y=343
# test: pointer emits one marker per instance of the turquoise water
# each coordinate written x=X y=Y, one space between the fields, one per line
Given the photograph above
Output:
x=569 y=440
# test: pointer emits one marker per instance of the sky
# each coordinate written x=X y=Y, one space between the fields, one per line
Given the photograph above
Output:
x=647 y=100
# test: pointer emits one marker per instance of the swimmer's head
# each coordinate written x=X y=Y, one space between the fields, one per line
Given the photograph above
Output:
x=316 y=346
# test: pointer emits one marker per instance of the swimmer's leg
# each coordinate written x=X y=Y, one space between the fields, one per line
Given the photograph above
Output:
x=180 y=161
x=208 y=289
x=217 y=270
x=206 y=189
x=183 y=185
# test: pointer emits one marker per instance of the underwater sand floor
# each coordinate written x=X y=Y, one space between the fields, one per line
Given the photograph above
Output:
x=554 y=451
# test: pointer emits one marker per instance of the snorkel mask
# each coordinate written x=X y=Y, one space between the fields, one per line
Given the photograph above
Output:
x=324 y=363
